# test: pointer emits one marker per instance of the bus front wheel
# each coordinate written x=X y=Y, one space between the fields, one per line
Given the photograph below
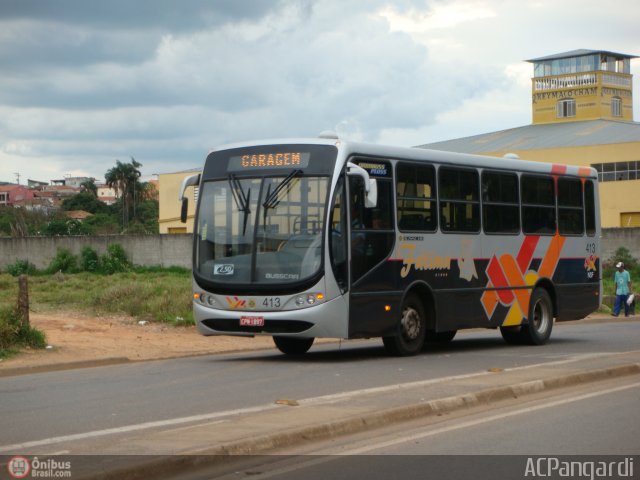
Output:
x=293 y=346
x=410 y=331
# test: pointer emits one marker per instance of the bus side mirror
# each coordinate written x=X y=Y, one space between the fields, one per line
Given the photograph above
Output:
x=183 y=210
x=370 y=184
x=371 y=200
x=190 y=181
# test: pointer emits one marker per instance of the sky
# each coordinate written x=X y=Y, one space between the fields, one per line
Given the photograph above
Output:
x=84 y=83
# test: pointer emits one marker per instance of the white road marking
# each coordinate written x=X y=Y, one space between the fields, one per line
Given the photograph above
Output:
x=329 y=457
x=136 y=427
x=261 y=408
x=479 y=421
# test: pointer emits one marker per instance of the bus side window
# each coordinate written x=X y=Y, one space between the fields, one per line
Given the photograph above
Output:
x=570 y=211
x=538 y=204
x=416 y=197
x=459 y=200
x=500 y=203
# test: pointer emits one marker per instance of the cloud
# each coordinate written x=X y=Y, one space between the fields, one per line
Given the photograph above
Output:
x=85 y=83
x=142 y=14
x=438 y=15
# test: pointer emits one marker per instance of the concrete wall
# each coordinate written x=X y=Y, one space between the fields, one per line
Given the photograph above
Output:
x=613 y=238
x=164 y=250
x=175 y=250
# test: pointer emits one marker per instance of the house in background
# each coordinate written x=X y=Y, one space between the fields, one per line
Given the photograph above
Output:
x=106 y=194
x=12 y=195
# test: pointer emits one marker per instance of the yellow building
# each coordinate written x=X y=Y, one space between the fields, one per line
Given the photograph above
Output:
x=169 y=188
x=582 y=114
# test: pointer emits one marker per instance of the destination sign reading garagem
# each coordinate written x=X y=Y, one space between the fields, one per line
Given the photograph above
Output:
x=268 y=161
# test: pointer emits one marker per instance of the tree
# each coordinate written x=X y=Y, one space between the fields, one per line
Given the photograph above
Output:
x=85 y=201
x=90 y=187
x=20 y=222
x=123 y=178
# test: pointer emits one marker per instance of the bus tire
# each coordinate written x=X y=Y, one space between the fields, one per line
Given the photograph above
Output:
x=440 y=338
x=292 y=345
x=539 y=324
x=410 y=331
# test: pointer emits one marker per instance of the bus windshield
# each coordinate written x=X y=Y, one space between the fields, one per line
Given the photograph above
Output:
x=254 y=231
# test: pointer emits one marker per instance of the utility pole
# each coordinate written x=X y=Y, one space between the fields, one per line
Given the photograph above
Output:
x=17 y=174
x=23 y=300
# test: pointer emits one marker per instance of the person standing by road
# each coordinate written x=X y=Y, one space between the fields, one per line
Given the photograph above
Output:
x=623 y=289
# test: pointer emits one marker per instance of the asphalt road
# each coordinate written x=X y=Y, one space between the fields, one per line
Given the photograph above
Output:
x=50 y=405
x=588 y=423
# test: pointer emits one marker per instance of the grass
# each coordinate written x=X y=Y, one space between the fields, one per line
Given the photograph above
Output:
x=14 y=334
x=153 y=294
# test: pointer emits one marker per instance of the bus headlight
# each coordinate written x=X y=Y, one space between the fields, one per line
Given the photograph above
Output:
x=207 y=299
x=309 y=299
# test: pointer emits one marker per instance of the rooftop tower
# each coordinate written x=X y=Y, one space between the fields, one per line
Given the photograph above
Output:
x=582 y=85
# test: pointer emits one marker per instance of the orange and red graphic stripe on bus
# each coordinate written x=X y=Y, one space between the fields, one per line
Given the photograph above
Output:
x=507 y=271
x=235 y=303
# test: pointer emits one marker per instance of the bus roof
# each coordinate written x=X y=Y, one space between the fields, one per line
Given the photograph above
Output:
x=348 y=148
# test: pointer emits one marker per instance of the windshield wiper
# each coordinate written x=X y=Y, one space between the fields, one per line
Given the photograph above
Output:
x=242 y=200
x=272 y=199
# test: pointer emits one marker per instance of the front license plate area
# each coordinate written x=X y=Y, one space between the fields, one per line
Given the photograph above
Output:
x=251 y=321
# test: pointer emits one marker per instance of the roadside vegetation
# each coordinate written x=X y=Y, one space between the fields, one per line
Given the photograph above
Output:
x=162 y=295
x=15 y=334
x=134 y=212
x=93 y=284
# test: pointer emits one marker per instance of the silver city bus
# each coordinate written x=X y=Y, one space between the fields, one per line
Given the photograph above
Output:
x=323 y=237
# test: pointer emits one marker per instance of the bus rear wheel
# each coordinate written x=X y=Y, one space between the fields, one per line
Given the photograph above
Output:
x=539 y=324
x=540 y=321
x=293 y=346
x=410 y=331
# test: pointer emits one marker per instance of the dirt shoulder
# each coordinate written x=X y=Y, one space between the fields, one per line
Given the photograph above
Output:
x=76 y=338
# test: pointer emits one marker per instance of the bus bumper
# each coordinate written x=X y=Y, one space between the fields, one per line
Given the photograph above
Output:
x=328 y=319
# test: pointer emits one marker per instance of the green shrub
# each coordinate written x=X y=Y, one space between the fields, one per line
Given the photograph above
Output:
x=21 y=267
x=624 y=255
x=115 y=260
x=89 y=260
x=9 y=327
x=64 y=262
x=14 y=333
